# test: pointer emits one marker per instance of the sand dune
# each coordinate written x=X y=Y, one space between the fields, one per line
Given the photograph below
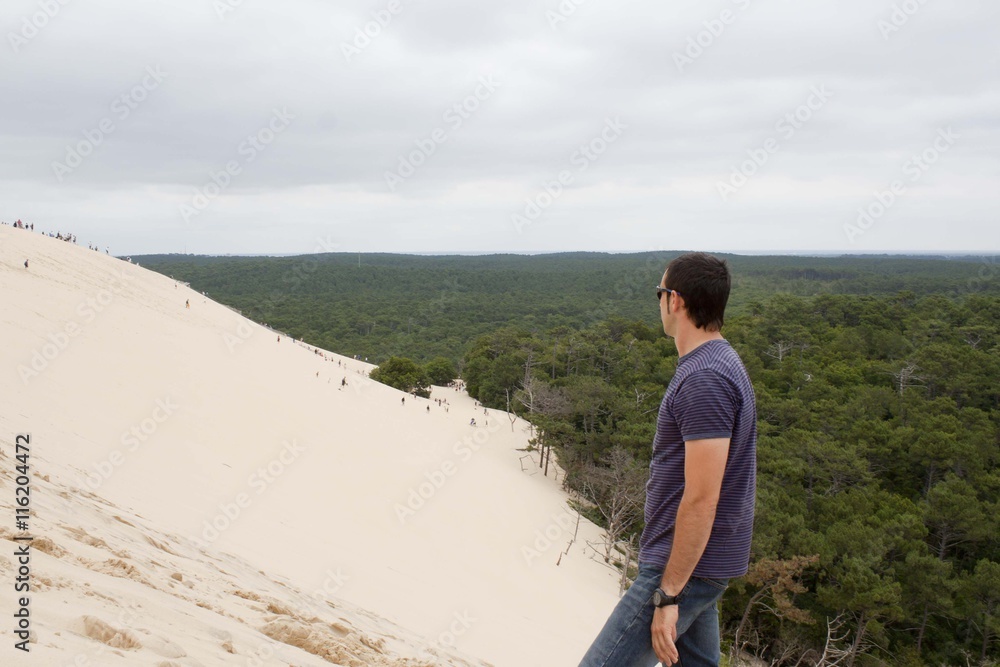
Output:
x=210 y=493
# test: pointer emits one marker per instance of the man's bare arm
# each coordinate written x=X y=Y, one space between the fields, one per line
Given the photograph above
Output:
x=704 y=465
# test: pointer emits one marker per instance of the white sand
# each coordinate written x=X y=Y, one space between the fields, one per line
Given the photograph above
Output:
x=304 y=482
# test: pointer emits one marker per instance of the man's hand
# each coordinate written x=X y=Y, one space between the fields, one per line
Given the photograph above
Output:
x=664 y=631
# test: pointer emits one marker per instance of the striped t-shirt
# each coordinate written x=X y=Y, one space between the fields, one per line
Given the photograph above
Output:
x=710 y=396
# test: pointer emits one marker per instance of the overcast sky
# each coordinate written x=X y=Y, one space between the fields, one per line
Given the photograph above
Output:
x=244 y=126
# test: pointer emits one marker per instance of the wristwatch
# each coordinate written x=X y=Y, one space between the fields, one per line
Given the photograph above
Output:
x=661 y=599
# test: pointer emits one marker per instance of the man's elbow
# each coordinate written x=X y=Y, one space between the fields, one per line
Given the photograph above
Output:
x=702 y=503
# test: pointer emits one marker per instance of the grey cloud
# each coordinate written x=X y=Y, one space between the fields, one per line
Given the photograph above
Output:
x=357 y=117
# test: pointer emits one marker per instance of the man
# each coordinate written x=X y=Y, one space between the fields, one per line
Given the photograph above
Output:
x=701 y=489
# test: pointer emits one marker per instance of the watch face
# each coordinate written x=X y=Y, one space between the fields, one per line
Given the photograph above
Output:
x=661 y=599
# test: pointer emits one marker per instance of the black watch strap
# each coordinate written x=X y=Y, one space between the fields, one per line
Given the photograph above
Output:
x=661 y=599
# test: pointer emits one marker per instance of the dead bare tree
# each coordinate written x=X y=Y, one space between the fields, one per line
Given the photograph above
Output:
x=788 y=652
x=572 y=540
x=973 y=339
x=618 y=490
x=510 y=413
x=907 y=377
x=526 y=396
x=629 y=551
x=640 y=398
x=903 y=379
x=834 y=651
x=779 y=350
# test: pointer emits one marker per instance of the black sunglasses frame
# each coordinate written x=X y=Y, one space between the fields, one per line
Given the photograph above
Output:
x=660 y=291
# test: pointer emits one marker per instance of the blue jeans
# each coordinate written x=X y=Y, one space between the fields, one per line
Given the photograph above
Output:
x=626 y=639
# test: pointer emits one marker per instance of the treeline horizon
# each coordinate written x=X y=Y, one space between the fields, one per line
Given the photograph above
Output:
x=428 y=307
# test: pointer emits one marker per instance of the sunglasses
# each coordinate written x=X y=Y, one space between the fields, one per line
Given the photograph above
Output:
x=661 y=290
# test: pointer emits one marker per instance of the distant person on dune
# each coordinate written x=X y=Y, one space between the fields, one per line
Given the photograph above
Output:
x=25 y=263
x=187 y=303
x=700 y=496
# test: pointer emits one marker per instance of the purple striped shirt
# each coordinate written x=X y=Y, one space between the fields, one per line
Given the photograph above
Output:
x=710 y=396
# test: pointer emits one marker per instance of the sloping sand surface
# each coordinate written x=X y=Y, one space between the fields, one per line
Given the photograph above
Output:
x=240 y=478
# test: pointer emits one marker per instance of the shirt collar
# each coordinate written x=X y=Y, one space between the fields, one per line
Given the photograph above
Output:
x=703 y=345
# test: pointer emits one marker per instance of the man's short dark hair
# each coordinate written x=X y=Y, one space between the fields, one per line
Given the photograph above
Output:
x=703 y=281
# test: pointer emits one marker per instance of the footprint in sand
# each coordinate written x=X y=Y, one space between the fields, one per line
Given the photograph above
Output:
x=97 y=629
x=116 y=567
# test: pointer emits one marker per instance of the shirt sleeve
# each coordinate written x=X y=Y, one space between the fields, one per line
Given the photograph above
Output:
x=705 y=406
